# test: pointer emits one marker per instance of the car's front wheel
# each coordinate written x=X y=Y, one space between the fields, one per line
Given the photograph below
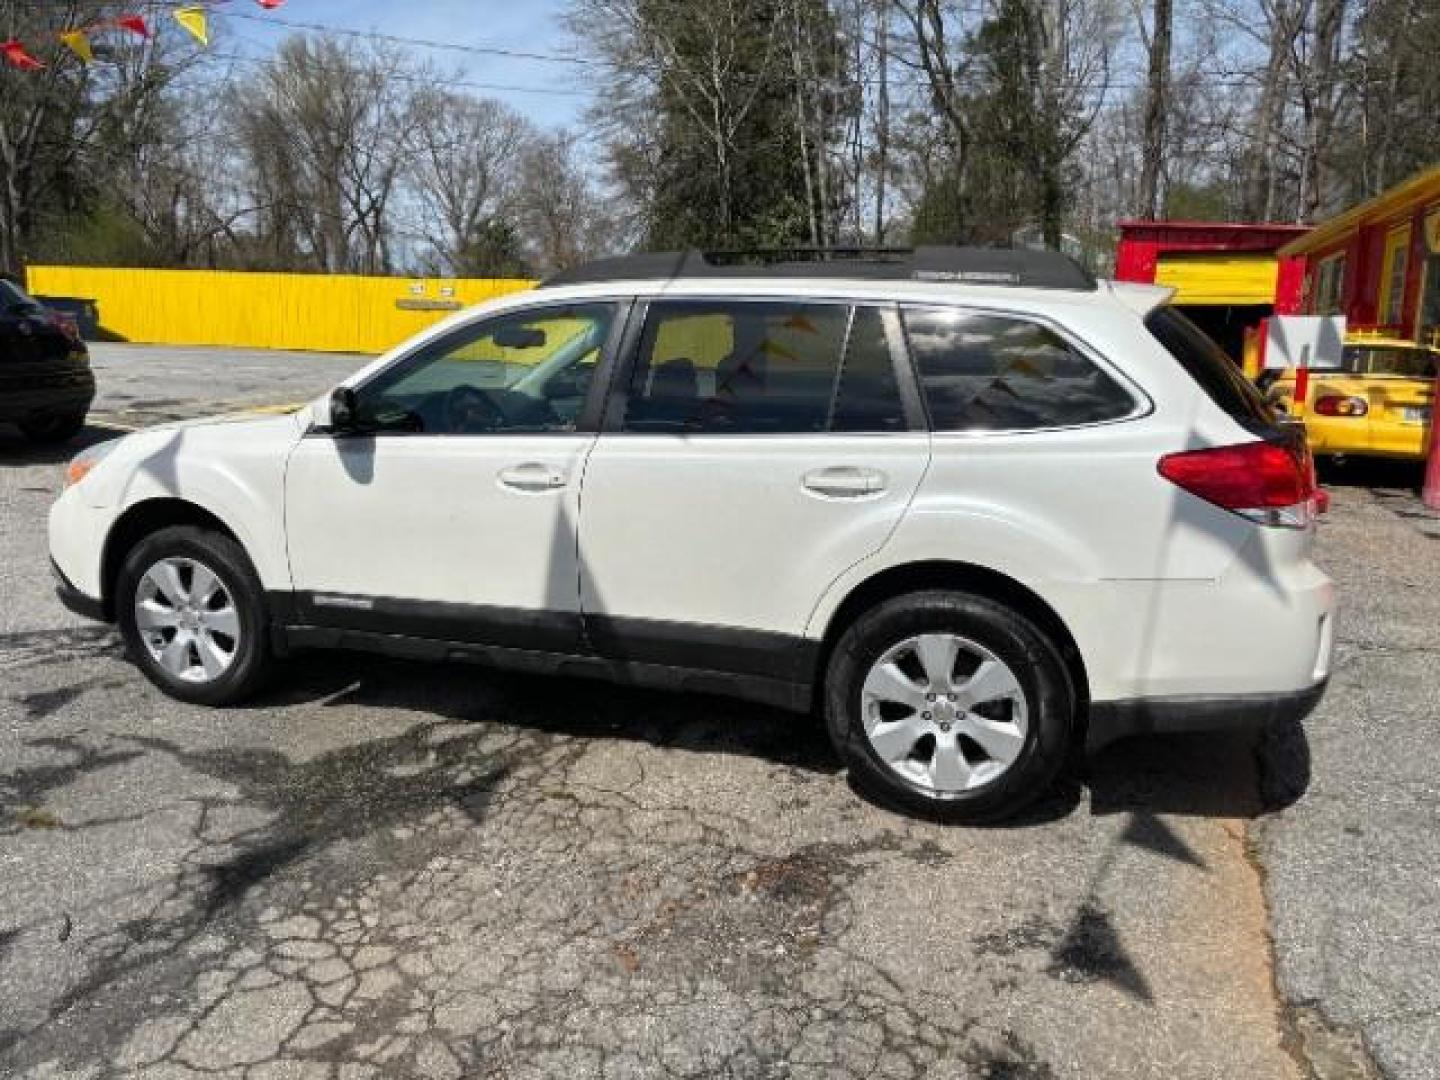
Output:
x=192 y=613
x=950 y=705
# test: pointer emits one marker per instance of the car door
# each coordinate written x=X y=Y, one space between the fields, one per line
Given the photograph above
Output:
x=449 y=511
x=753 y=450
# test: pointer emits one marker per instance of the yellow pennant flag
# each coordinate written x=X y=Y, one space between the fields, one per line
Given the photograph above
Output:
x=79 y=44
x=193 y=20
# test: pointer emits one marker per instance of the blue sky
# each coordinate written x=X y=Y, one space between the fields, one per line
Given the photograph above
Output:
x=527 y=25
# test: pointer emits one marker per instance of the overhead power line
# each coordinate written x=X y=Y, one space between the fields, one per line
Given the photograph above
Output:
x=913 y=83
x=409 y=77
x=424 y=43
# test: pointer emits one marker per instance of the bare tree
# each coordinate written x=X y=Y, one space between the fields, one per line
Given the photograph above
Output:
x=325 y=127
x=1032 y=74
x=708 y=67
x=66 y=128
x=1319 y=85
x=560 y=214
x=465 y=165
x=1157 y=105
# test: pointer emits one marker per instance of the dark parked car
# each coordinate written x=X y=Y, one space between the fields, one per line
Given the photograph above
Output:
x=46 y=384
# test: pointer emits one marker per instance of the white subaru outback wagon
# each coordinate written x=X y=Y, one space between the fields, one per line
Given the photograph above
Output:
x=976 y=507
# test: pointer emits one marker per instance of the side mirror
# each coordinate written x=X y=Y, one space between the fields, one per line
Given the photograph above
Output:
x=344 y=411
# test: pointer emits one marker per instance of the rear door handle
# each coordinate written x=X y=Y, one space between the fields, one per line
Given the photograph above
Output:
x=844 y=482
x=532 y=476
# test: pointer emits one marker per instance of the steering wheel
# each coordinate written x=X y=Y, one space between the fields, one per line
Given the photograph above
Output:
x=467 y=409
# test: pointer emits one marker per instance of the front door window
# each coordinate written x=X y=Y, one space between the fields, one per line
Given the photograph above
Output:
x=524 y=372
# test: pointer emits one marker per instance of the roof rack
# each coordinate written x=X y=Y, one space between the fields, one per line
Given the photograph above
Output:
x=1020 y=267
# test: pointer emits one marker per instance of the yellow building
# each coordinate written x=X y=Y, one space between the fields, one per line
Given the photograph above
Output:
x=315 y=312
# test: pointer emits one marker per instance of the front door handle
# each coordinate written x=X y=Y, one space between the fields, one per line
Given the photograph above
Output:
x=844 y=482
x=532 y=476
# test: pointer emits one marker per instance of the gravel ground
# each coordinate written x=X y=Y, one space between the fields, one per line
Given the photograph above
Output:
x=398 y=870
x=1352 y=867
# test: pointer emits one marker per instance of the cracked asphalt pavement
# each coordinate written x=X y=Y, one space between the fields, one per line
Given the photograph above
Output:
x=385 y=869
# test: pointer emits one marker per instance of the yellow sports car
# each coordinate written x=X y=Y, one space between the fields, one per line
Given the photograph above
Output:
x=1377 y=404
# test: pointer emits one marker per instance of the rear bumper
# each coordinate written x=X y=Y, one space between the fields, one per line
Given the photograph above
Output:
x=36 y=393
x=1361 y=438
x=1112 y=720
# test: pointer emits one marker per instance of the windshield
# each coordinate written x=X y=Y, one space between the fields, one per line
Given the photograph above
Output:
x=1388 y=360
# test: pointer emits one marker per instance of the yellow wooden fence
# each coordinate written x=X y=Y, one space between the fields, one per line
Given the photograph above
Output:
x=319 y=312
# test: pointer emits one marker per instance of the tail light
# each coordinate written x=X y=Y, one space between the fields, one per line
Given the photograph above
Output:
x=1268 y=482
x=1332 y=405
x=65 y=323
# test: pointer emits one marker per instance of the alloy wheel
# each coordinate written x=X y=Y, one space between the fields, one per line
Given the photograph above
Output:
x=187 y=620
x=944 y=713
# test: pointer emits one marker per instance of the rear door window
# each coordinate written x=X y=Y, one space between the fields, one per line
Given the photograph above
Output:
x=1389 y=361
x=760 y=367
x=985 y=372
x=1206 y=363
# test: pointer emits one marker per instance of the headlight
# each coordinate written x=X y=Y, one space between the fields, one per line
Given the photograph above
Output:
x=82 y=463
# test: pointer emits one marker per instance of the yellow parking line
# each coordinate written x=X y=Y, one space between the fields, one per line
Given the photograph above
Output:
x=276 y=410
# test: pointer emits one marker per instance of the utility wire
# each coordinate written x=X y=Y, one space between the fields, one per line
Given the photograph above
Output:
x=1219 y=81
x=404 y=76
x=423 y=43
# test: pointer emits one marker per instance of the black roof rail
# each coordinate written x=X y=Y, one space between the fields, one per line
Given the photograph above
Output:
x=1022 y=267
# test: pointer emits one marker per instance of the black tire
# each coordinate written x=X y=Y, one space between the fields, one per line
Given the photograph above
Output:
x=1035 y=661
x=253 y=660
x=53 y=427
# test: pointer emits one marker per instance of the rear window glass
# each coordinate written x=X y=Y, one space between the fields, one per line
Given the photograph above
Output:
x=13 y=296
x=1388 y=360
x=982 y=372
x=1223 y=382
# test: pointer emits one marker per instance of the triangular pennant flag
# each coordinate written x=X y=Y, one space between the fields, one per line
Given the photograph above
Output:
x=78 y=43
x=134 y=23
x=193 y=20
x=270 y=5
x=16 y=56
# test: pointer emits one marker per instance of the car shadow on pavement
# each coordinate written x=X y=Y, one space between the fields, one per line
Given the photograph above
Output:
x=558 y=705
x=1372 y=473
x=1230 y=774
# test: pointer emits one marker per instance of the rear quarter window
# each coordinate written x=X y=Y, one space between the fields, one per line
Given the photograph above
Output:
x=985 y=372
x=1205 y=362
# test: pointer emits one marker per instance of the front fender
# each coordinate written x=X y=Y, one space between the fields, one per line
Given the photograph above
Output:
x=233 y=471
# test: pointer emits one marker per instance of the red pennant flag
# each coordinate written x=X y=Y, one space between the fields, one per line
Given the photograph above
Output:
x=134 y=23
x=270 y=5
x=16 y=56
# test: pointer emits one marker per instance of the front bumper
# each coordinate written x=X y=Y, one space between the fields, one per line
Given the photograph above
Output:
x=1112 y=720
x=87 y=607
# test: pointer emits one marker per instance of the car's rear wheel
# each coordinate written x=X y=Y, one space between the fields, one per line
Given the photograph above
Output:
x=53 y=427
x=950 y=705
x=192 y=613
